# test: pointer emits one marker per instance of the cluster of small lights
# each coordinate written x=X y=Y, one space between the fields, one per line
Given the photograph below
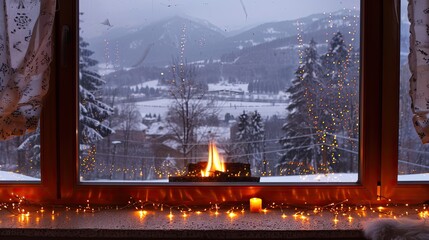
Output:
x=88 y=161
x=339 y=99
x=340 y=212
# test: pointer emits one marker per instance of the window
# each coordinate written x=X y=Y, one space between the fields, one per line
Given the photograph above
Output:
x=62 y=178
x=75 y=187
x=272 y=94
x=413 y=156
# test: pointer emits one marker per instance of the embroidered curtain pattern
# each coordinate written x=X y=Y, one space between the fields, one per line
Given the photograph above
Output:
x=25 y=55
x=418 y=12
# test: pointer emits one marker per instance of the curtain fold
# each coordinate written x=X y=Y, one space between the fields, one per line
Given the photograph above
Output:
x=25 y=55
x=418 y=12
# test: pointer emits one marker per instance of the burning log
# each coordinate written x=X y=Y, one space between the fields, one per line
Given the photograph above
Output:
x=216 y=170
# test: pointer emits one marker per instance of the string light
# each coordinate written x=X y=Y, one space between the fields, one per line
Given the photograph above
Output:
x=23 y=209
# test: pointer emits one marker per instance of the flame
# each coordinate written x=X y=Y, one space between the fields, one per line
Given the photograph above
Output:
x=214 y=163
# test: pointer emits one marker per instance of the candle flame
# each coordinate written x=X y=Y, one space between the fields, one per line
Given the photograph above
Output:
x=215 y=161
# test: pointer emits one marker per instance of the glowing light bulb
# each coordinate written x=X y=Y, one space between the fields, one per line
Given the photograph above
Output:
x=232 y=214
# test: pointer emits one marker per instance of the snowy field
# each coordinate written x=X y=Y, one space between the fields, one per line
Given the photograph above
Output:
x=266 y=109
x=10 y=176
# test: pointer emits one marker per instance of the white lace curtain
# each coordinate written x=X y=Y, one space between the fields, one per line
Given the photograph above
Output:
x=25 y=55
x=418 y=12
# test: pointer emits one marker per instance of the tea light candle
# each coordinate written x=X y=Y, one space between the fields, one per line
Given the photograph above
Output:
x=255 y=205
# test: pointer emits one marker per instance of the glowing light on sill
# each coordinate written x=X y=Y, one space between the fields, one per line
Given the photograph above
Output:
x=142 y=213
x=336 y=219
x=231 y=214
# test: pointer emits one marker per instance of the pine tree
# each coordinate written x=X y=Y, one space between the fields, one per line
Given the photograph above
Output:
x=341 y=100
x=300 y=141
x=243 y=134
x=335 y=65
x=93 y=112
x=334 y=61
x=250 y=138
x=257 y=137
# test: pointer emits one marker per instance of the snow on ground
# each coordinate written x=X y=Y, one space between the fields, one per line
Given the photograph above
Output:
x=158 y=129
x=11 y=176
x=414 y=177
x=266 y=109
x=314 y=178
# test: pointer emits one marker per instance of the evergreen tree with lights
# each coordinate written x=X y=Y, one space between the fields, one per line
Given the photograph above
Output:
x=341 y=101
x=92 y=111
x=301 y=150
x=335 y=65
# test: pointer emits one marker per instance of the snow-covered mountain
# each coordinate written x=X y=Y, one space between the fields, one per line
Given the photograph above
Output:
x=157 y=43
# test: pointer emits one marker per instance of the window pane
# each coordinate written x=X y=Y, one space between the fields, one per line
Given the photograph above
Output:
x=413 y=156
x=223 y=90
x=20 y=158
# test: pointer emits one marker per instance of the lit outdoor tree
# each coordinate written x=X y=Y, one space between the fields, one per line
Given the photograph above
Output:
x=302 y=151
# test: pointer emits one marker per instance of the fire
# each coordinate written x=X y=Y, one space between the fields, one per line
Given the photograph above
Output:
x=214 y=163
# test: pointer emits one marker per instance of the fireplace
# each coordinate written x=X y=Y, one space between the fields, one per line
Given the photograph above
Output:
x=216 y=170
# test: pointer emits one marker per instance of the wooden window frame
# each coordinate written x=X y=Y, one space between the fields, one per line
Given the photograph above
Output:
x=378 y=142
x=391 y=188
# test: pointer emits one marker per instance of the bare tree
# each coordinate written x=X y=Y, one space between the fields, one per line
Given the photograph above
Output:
x=189 y=107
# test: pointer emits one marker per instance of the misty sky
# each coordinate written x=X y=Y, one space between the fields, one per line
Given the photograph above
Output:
x=228 y=15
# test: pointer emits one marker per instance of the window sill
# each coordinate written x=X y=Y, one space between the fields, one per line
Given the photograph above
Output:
x=129 y=224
